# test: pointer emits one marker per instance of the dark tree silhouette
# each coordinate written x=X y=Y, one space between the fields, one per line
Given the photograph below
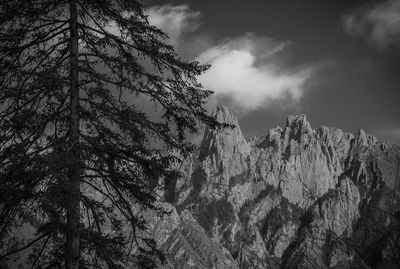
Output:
x=81 y=154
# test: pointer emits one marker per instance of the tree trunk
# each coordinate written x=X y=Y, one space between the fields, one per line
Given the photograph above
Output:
x=73 y=208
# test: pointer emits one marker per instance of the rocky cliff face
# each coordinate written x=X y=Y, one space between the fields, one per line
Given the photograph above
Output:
x=186 y=243
x=294 y=198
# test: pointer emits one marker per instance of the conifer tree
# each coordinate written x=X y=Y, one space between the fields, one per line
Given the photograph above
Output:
x=81 y=149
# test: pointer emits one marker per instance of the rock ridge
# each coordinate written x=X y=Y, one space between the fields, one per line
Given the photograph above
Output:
x=286 y=195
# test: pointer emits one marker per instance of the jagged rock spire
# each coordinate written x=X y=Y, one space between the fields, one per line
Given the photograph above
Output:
x=224 y=115
x=283 y=191
x=223 y=143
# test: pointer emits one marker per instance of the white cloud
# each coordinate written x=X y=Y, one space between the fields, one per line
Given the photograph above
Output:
x=174 y=20
x=249 y=71
x=379 y=23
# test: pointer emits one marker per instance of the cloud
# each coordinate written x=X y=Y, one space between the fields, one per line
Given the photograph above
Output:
x=249 y=71
x=379 y=24
x=174 y=20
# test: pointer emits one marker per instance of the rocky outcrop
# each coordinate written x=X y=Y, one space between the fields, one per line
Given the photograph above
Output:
x=186 y=244
x=222 y=155
x=292 y=198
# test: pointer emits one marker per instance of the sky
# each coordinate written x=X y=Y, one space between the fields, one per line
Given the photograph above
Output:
x=338 y=62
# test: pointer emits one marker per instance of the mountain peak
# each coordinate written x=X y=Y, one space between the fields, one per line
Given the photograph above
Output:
x=224 y=115
x=272 y=196
x=298 y=122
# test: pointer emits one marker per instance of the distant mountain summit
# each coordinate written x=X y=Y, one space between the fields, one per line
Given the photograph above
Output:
x=293 y=198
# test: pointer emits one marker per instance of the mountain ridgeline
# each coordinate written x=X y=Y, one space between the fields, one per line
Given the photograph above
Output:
x=293 y=198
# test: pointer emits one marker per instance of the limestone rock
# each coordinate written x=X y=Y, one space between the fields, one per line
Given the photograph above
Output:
x=186 y=244
x=296 y=188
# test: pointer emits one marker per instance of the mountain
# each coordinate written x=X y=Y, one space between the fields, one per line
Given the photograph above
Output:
x=293 y=198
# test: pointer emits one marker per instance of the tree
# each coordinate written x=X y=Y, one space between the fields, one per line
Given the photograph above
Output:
x=80 y=153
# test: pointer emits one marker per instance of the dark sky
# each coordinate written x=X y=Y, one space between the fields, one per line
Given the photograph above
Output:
x=356 y=82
